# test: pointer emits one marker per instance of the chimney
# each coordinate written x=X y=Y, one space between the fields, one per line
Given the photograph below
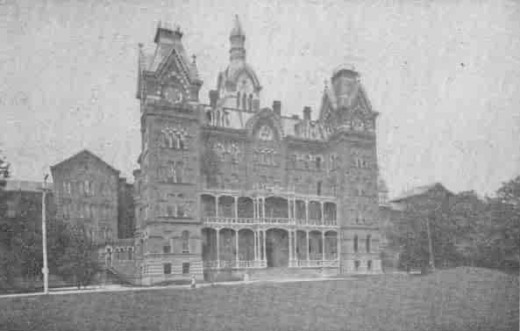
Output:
x=307 y=113
x=213 y=97
x=167 y=34
x=277 y=107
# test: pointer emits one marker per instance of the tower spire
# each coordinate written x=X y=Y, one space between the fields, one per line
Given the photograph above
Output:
x=237 y=38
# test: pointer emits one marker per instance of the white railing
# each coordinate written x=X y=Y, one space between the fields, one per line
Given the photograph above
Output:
x=233 y=264
x=269 y=221
x=316 y=263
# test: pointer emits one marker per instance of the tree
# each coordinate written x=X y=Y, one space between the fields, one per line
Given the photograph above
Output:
x=73 y=254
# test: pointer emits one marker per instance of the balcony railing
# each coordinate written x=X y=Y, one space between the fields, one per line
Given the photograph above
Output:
x=233 y=264
x=269 y=221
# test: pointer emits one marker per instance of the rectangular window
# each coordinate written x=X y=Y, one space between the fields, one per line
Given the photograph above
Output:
x=356 y=264
x=167 y=249
x=369 y=265
x=167 y=267
x=185 y=268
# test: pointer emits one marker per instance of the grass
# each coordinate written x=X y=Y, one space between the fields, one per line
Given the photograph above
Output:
x=457 y=299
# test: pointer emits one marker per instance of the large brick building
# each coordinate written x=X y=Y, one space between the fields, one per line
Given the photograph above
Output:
x=90 y=193
x=236 y=185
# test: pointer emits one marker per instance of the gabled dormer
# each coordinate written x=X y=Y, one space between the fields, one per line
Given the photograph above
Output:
x=345 y=105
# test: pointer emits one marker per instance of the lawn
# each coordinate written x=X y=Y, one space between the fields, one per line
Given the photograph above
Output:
x=457 y=299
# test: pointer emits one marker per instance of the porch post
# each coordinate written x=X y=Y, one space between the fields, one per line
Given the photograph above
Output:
x=216 y=205
x=236 y=209
x=308 y=247
x=218 y=248
x=306 y=212
x=290 y=247
x=237 y=251
x=322 y=215
x=263 y=247
x=323 y=245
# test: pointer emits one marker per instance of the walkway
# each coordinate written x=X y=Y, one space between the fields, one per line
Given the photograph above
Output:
x=119 y=288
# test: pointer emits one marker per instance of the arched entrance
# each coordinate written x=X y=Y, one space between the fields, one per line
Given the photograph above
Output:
x=277 y=248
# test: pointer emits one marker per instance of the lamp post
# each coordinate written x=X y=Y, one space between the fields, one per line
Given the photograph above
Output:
x=45 y=269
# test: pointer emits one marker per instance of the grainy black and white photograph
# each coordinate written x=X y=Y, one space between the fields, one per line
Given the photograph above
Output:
x=259 y=165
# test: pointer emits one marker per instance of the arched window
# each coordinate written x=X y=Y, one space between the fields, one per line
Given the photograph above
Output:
x=250 y=105
x=244 y=101
x=238 y=100
x=368 y=243
x=185 y=242
x=355 y=243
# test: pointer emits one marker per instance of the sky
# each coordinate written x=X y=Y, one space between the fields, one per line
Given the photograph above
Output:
x=444 y=76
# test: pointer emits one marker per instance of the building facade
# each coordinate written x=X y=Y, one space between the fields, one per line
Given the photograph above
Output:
x=90 y=193
x=235 y=185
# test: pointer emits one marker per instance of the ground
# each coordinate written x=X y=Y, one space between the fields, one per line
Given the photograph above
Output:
x=457 y=299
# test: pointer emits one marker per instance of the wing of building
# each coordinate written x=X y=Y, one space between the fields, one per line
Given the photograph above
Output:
x=234 y=185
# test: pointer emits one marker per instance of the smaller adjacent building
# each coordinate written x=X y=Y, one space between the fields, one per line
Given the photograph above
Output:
x=21 y=208
x=90 y=193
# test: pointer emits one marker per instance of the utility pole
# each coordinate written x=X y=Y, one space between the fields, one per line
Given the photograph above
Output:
x=45 y=269
x=430 y=246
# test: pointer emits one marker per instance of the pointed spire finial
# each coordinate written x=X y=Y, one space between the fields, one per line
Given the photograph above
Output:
x=237 y=28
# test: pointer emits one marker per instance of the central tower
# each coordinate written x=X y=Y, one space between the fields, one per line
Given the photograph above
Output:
x=167 y=207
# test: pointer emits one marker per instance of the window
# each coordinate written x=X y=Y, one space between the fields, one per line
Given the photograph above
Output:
x=167 y=267
x=368 y=243
x=318 y=163
x=167 y=249
x=185 y=242
x=355 y=243
x=238 y=100
x=319 y=188
x=185 y=268
x=180 y=211
x=169 y=211
x=369 y=265
x=356 y=264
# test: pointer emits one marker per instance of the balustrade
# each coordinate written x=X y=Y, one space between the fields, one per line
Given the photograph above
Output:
x=268 y=220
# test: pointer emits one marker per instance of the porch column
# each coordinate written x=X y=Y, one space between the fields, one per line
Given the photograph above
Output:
x=322 y=215
x=263 y=207
x=308 y=246
x=323 y=245
x=254 y=246
x=218 y=248
x=263 y=247
x=306 y=212
x=216 y=205
x=237 y=251
x=236 y=209
x=290 y=248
